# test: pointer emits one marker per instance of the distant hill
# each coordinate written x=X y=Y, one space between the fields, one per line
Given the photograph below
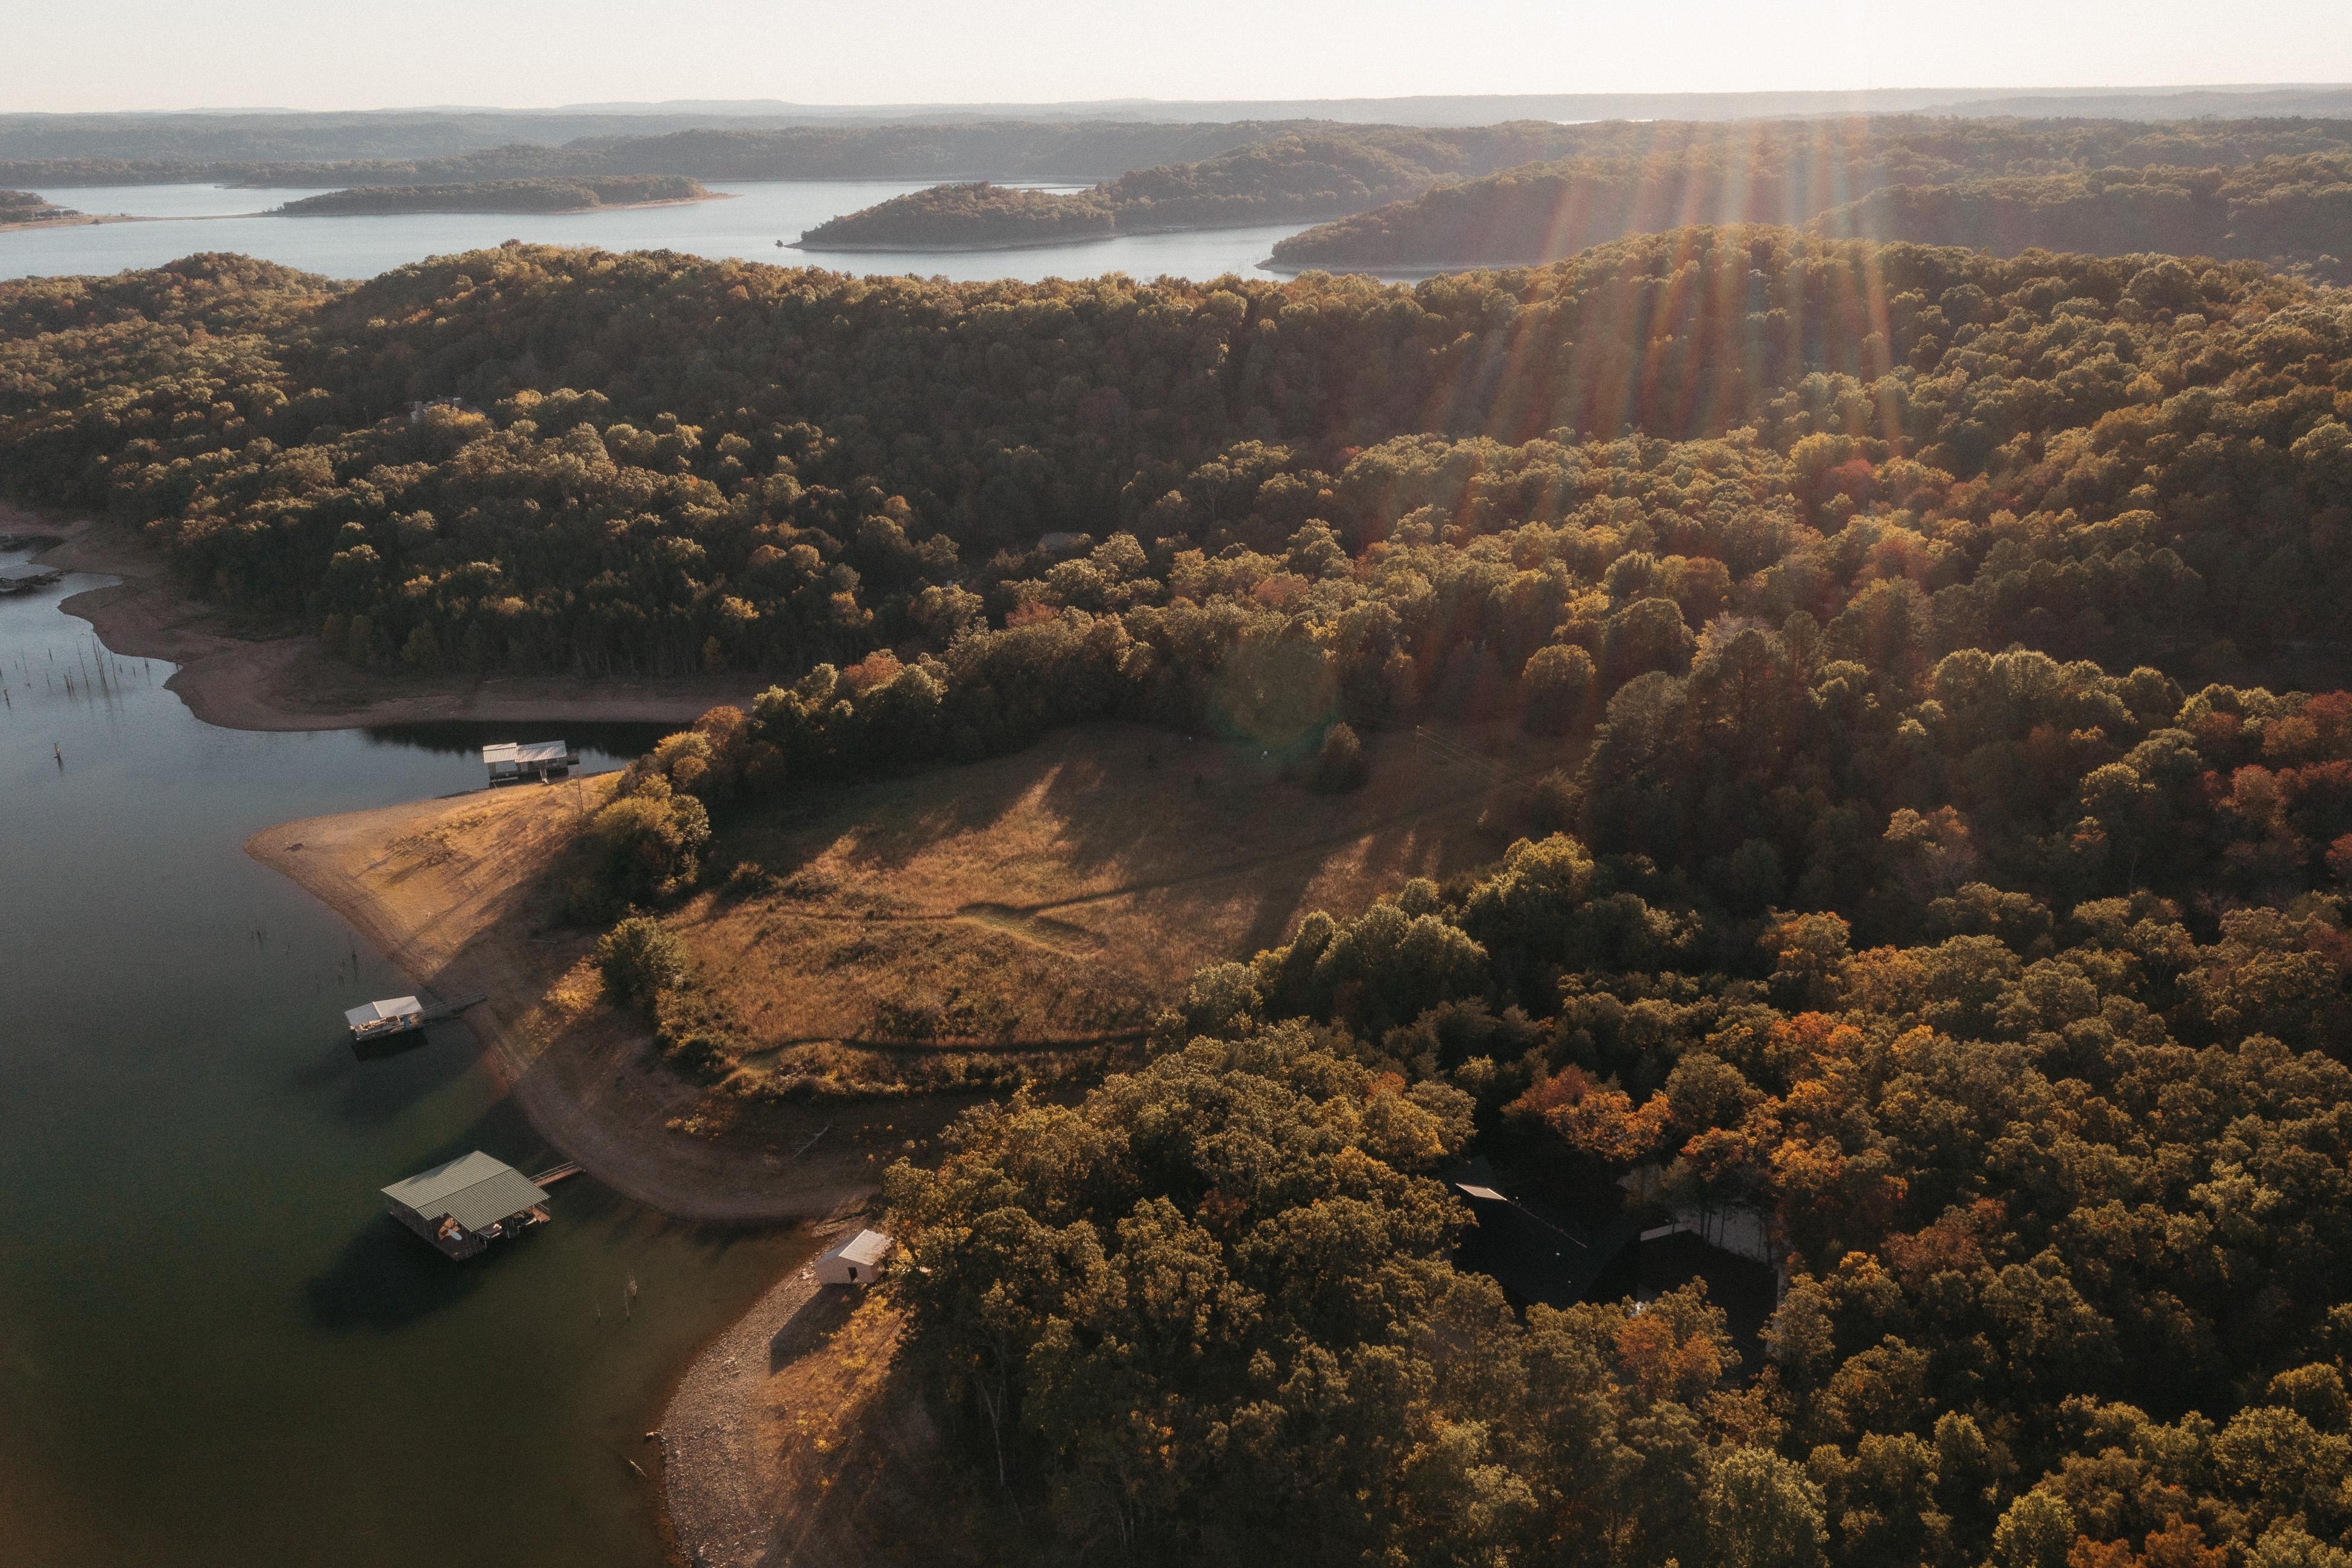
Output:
x=999 y=151
x=2293 y=212
x=1797 y=172
x=1442 y=198
x=255 y=136
x=1291 y=177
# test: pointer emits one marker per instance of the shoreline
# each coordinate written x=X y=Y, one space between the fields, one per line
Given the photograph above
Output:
x=600 y=1096
x=992 y=245
x=603 y=1098
x=89 y=220
x=591 y=1085
x=236 y=680
x=1397 y=274
x=913 y=247
x=710 y=1474
x=496 y=212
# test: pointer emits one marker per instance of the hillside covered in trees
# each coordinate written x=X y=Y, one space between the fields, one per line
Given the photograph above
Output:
x=1002 y=150
x=652 y=463
x=1285 y=177
x=1955 y=876
x=974 y=216
x=500 y=196
x=2249 y=189
x=1493 y=198
x=2293 y=212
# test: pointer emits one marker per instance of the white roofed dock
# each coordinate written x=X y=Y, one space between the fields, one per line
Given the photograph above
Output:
x=511 y=761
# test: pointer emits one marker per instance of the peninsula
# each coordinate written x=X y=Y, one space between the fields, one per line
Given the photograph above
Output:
x=25 y=209
x=550 y=194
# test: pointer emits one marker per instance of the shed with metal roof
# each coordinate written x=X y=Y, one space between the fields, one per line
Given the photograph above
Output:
x=856 y=1260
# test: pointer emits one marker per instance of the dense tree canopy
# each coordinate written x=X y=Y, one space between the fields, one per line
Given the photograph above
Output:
x=1955 y=877
x=550 y=458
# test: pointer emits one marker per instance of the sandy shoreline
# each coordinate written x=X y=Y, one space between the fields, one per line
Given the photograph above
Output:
x=439 y=888
x=718 y=1497
x=237 y=679
x=445 y=891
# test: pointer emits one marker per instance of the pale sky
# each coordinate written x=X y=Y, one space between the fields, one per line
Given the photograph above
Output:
x=70 y=55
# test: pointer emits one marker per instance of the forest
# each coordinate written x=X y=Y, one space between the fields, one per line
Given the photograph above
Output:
x=546 y=195
x=1954 y=877
x=972 y=216
x=1530 y=192
x=1001 y=150
x=2289 y=210
x=2260 y=189
x=1285 y=177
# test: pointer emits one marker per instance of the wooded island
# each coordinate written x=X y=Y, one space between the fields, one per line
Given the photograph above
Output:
x=532 y=195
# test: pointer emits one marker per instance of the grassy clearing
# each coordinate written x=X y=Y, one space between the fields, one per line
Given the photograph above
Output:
x=1013 y=919
x=961 y=931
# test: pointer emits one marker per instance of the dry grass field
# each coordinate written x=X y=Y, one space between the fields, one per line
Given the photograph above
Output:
x=948 y=928
x=904 y=945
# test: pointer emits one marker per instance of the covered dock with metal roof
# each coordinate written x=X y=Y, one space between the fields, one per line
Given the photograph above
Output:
x=464 y=1205
x=511 y=760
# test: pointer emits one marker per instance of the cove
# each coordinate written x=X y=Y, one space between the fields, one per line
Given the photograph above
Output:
x=185 y=220
x=215 y=1347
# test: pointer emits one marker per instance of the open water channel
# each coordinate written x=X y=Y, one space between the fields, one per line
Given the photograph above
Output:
x=189 y=219
x=215 y=1347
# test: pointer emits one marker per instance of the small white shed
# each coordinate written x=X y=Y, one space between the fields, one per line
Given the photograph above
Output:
x=856 y=1260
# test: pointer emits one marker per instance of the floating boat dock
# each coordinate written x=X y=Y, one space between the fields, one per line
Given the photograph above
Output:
x=462 y=1207
x=374 y=1024
x=511 y=762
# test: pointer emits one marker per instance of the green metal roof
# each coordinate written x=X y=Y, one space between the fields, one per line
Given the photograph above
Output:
x=473 y=1189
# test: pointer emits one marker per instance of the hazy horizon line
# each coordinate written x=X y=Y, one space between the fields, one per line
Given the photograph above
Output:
x=755 y=105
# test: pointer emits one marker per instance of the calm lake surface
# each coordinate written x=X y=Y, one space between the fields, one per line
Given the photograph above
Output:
x=215 y=1347
x=196 y=217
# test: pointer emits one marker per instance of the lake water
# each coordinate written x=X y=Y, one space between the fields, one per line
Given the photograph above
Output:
x=215 y=1347
x=194 y=217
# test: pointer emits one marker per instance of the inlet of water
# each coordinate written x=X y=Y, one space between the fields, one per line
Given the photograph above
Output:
x=215 y=1348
